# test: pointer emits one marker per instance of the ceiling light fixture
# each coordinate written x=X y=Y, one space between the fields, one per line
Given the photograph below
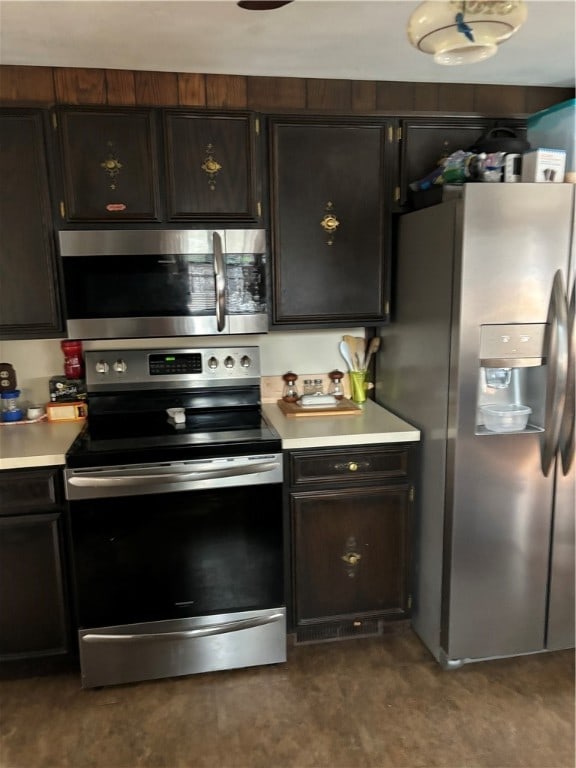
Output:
x=458 y=32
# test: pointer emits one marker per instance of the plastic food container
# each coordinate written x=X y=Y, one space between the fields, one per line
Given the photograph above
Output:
x=556 y=127
x=505 y=418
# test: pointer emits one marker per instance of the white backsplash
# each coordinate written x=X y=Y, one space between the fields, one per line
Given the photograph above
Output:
x=35 y=361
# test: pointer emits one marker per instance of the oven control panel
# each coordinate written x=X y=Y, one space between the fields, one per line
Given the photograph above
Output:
x=174 y=363
x=171 y=368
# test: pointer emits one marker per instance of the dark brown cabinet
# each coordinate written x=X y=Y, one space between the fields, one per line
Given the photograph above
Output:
x=109 y=165
x=33 y=615
x=157 y=166
x=212 y=166
x=350 y=513
x=424 y=141
x=330 y=190
x=30 y=304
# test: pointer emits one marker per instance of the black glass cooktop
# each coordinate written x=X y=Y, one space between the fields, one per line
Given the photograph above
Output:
x=132 y=438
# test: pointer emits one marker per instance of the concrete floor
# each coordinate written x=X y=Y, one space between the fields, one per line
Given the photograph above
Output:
x=377 y=702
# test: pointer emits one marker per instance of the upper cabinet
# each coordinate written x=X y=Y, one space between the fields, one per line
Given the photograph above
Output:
x=164 y=166
x=330 y=182
x=109 y=165
x=211 y=166
x=425 y=141
x=29 y=283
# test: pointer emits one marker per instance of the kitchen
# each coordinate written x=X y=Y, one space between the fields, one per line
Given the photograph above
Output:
x=317 y=350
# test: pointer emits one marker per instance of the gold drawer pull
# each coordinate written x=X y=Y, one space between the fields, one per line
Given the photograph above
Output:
x=352 y=558
x=353 y=466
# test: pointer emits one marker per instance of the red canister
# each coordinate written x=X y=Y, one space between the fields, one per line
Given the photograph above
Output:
x=73 y=359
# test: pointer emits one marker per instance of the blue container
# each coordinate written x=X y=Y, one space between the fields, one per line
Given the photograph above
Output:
x=11 y=411
x=555 y=128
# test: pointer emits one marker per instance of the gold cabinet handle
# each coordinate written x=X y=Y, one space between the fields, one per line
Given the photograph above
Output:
x=211 y=166
x=352 y=558
x=329 y=222
x=352 y=466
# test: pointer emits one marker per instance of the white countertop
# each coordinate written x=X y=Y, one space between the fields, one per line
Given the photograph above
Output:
x=45 y=443
x=42 y=444
x=374 y=425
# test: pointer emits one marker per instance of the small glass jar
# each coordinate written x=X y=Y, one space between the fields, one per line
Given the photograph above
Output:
x=318 y=387
x=336 y=386
x=308 y=387
x=290 y=391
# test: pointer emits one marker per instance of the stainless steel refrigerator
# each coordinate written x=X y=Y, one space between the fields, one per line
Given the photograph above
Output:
x=482 y=317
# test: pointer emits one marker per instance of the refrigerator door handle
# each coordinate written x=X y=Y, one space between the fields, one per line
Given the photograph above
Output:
x=566 y=439
x=556 y=351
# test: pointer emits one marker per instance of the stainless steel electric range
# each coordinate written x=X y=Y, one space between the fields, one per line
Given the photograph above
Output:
x=175 y=517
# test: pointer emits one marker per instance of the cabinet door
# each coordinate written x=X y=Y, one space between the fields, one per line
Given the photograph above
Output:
x=330 y=233
x=109 y=165
x=32 y=609
x=350 y=553
x=211 y=166
x=30 y=304
x=425 y=142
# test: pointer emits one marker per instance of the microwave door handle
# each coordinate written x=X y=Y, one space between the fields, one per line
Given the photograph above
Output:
x=566 y=440
x=220 y=281
x=556 y=352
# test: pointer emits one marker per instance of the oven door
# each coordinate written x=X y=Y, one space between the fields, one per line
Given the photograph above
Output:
x=141 y=283
x=173 y=574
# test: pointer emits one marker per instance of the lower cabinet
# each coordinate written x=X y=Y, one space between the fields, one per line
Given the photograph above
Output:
x=350 y=512
x=33 y=615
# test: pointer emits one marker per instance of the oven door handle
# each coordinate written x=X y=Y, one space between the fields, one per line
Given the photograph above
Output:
x=208 y=473
x=211 y=629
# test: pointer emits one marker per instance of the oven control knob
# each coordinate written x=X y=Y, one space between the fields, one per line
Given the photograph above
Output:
x=212 y=362
x=228 y=362
x=120 y=366
x=102 y=366
x=245 y=361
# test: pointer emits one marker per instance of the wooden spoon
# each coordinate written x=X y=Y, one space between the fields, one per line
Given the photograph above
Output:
x=373 y=347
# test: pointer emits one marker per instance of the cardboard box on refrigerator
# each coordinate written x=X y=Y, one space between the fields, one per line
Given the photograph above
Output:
x=544 y=165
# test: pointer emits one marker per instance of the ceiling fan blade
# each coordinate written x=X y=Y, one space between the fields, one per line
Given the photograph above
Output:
x=262 y=5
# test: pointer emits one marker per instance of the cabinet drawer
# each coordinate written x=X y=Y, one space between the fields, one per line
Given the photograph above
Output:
x=28 y=490
x=349 y=465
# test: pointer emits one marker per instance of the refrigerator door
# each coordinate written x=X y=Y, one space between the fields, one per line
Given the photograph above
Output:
x=485 y=509
x=514 y=240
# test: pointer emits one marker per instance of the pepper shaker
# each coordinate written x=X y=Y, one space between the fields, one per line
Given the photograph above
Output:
x=290 y=391
x=336 y=386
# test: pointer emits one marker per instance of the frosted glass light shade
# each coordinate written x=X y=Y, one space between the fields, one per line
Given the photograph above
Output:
x=433 y=28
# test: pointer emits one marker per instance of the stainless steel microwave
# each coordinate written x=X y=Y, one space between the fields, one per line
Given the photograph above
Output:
x=152 y=283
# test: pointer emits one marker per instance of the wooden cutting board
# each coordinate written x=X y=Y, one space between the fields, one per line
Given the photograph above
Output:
x=343 y=407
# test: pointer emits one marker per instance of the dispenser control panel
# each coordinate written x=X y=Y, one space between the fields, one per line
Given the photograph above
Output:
x=518 y=344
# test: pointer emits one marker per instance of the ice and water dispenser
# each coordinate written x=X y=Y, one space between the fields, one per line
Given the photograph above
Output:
x=512 y=379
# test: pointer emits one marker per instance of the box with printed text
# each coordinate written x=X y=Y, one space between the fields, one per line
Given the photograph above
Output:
x=544 y=165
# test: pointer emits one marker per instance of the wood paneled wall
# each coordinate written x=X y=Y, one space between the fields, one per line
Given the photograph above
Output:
x=46 y=86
